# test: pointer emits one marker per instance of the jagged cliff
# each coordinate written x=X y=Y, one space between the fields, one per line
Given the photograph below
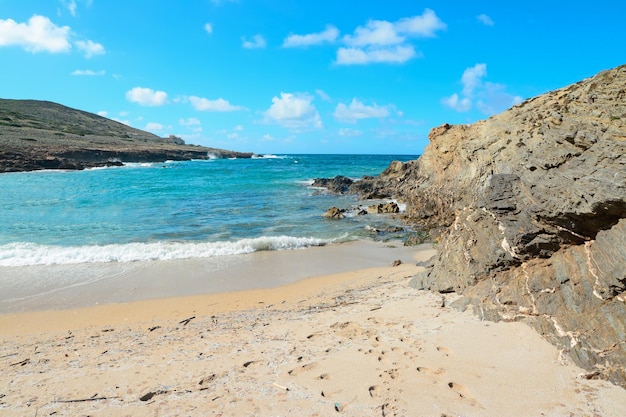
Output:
x=533 y=206
x=43 y=135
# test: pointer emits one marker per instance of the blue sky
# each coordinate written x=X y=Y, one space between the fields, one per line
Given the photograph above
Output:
x=295 y=76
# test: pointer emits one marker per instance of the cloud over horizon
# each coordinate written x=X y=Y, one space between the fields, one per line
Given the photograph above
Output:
x=293 y=111
x=356 y=110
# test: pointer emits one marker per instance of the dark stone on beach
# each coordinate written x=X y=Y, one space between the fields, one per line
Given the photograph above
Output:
x=530 y=206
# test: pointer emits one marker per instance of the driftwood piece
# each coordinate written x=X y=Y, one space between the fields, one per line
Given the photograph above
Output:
x=82 y=400
x=149 y=395
x=186 y=321
x=21 y=363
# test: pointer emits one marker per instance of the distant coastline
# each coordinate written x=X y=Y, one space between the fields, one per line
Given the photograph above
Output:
x=38 y=135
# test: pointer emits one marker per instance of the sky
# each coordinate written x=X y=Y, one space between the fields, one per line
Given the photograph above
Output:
x=297 y=76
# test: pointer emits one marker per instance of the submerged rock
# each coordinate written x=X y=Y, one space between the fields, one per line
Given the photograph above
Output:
x=339 y=184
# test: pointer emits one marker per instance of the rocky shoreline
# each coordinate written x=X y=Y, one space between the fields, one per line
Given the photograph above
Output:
x=531 y=205
x=37 y=135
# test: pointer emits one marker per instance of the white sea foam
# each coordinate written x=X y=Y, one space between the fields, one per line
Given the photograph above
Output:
x=269 y=156
x=25 y=254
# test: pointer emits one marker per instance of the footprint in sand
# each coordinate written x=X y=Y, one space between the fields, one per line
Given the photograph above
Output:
x=445 y=351
x=374 y=391
x=429 y=371
x=462 y=392
x=303 y=368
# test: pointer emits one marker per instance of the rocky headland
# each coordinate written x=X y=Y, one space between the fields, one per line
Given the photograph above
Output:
x=38 y=135
x=530 y=212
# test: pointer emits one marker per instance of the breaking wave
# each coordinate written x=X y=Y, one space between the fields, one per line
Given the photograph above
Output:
x=26 y=254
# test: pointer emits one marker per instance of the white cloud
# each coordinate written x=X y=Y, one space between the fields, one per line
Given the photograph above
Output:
x=494 y=99
x=322 y=94
x=90 y=48
x=424 y=26
x=330 y=34
x=89 y=72
x=154 y=127
x=191 y=121
x=38 y=35
x=293 y=111
x=204 y=104
x=375 y=32
x=488 y=97
x=485 y=20
x=396 y=55
x=357 y=110
x=126 y=122
x=208 y=28
x=381 y=41
x=146 y=96
x=238 y=128
x=349 y=133
x=460 y=105
x=472 y=78
x=103 y=113
x=258 y=41
x=71 y=6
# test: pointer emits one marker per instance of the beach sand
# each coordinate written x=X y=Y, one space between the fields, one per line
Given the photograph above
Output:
x=348 y=342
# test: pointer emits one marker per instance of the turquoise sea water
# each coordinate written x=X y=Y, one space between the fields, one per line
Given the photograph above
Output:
x=177 y=210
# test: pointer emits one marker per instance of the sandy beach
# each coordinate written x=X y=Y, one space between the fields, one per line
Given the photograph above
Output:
x=320 y=339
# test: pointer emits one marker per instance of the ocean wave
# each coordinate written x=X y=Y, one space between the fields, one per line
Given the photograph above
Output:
x=28 y=254
x=270 y=156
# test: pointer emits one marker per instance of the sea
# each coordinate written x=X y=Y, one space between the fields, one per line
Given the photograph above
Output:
x=182 y=209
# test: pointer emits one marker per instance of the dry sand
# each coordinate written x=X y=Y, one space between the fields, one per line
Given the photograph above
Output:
x=356 y=343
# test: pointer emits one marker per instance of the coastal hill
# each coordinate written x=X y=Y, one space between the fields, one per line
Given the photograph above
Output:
x=44 y=135
x=529 y=207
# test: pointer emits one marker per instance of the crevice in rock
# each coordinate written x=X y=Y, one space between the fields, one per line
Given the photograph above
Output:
x=578 y=228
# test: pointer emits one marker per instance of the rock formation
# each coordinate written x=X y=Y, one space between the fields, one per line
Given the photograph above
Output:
x=334 y=213
x=43 y=135
x=533 y=205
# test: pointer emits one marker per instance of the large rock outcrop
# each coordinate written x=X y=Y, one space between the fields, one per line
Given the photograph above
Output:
x=534 y=205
